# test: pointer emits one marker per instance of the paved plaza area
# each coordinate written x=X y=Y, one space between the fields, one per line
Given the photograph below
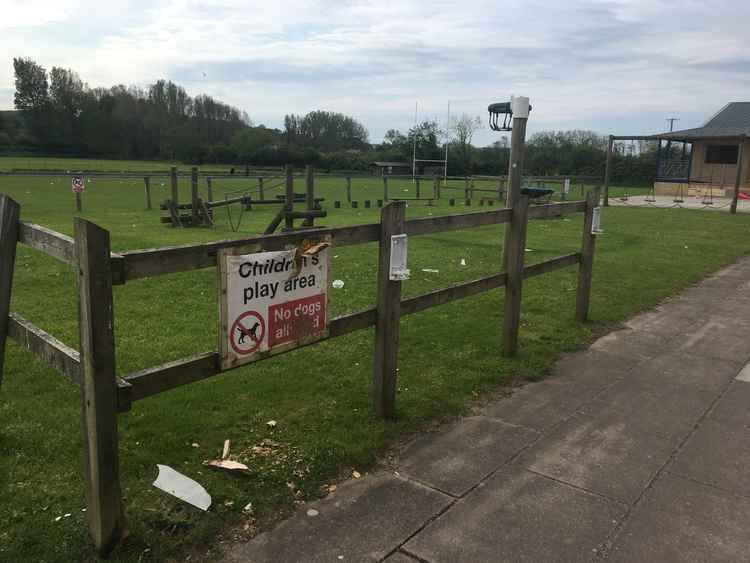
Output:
x=636 y=449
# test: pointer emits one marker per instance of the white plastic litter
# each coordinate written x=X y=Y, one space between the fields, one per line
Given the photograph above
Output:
x=182 y=487
x=337 y=284
x=430 y=271
x=463 y=261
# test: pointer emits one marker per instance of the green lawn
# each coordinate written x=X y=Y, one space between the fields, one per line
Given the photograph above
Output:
x=320 y=395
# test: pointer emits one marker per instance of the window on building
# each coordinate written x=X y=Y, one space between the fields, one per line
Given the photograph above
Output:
x=721 y=154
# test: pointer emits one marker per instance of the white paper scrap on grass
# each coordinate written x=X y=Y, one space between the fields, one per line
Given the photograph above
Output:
x=182 y=487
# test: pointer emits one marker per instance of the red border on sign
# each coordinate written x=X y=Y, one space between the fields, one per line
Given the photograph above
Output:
x=236 y=324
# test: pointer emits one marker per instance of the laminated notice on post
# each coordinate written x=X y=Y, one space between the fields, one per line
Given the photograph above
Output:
x=270 y=302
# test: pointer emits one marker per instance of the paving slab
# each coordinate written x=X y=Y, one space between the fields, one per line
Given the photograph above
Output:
x=680 y=368
x=714 y=340
x=683 y=521
x=518 y=516
x=717 y=454
x=460 y=456
x=399 y=557
x=573 y=382
x=604 y=452
x=734 y=406
x=664 y=409
x=363 y=520
x=632 y=345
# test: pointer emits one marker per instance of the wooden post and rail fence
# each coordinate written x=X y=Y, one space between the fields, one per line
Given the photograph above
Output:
x=105 y=392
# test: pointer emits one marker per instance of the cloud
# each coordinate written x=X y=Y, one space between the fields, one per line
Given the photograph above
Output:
x=618 y=66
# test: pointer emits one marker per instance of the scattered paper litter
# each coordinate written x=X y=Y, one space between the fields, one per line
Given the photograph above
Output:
x=226 y=464
x=430 y=270
x=529 y=250
x=356 y=474
x=182 y=487
x=271 y=424
x=337 y=284
x=312 y=512
x=248 y=508
x=463 y=261
x=225 y=451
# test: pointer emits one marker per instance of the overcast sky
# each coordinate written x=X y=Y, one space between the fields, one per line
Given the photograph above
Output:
x=616 y=67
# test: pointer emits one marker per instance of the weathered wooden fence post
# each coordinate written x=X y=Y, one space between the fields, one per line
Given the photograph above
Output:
x=418 y=189
x=261 y=190
x=385 y=188
x=195 y=215
x=471 y=194
x=435 y=187
x=310 y=194
x=79 y=202
x=392 y=222
x=98 y=385
x=466 y=188
x=608 y=168
x=585 y=269
x=209 y=189
x=515 y=247
x=289 y=205
x=173 y=184
x=737 y=178
x=147 y=191
x=9 y=214
x=348 y=189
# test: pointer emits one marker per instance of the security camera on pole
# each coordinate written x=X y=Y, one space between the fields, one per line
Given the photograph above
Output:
x=518 y=110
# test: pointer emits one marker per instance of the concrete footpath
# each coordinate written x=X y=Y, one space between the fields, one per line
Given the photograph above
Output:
x=637 y=449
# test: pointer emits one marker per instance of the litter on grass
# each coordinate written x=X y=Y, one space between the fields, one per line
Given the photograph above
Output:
x=337 y=284
x=226 y=464
x=182 y=487
x=430 y=271
x=463 y=261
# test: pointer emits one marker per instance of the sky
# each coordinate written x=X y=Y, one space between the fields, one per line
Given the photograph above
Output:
x=614 y=67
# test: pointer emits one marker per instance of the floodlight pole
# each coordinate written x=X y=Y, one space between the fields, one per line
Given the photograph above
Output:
x=520 y=107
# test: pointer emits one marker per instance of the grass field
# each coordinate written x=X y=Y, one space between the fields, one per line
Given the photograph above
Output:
x=320 y=395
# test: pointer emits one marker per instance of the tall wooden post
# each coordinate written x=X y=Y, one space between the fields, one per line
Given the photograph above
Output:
x=471 y=194
x=392 y=222
x=515 y=248
x=261 y=190
x=738 y=177
x=418 y=190
x=174 y=186
x=98 y=385
x=385 y=188
x=310 y=193
x=9 y=214
x=608 y=169
x=288 y=221
x=586 y=266
x=147 y=191
x=466 y=188
x=209 y=189
x=195 y=216
x=515 y=171
x=79 y=202
x=435 y=187
x=348 y=189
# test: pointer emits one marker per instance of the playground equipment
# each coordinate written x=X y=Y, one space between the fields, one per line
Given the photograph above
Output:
x=201 y=212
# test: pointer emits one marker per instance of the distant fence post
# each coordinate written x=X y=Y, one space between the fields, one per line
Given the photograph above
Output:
x=435 y=187
x=608 y=168
x=173 y=184
x=466 y=188
x=261 y=190
x=385 y=188
x=9 y=213
x=98 y=385
x=586 y=267
x=515 y=247
x=79 y=203
x=418 y=190
x=310 y=193
x=471 y=194
x=392 y=222
x=209 y=189
x=195 y=216
x=348 y=189
x=289 y=205
x=147 y=192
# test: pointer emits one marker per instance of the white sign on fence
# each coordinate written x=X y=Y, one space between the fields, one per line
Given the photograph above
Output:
x=271 y=301
x=566 y=185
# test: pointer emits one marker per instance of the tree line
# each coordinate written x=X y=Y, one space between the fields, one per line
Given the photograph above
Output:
x=59 y=114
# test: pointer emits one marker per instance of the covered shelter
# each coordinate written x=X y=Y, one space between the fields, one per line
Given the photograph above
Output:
x=382 y=168
x=707 y=159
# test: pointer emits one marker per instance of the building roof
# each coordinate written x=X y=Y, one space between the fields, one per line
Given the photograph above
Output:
x=384 y=164
x=732 y=121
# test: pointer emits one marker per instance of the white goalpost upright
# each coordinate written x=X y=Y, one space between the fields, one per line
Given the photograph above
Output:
x=443 y=161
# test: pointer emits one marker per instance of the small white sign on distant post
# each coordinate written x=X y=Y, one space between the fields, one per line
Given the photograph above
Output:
x=566 y=186
x=270 y=302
